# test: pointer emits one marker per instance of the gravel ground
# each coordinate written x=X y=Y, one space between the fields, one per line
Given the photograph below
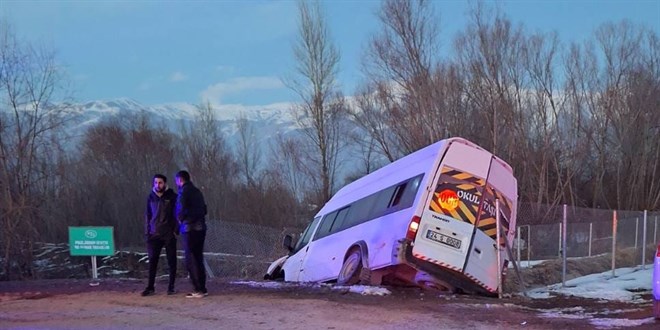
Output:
x=116 y=303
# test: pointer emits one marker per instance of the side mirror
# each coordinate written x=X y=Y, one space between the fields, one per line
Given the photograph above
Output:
x=288 y=242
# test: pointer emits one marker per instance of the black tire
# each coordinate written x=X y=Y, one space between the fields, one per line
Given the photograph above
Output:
x=351 y=269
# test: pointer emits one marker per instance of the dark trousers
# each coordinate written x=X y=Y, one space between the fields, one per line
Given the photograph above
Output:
x=154 y=246
x=193 y=245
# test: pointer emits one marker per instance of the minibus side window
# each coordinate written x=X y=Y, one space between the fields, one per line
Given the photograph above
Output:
x=340 y=220
x=386 y=201
x=383 y=200
x=360 y=211
x=306 y=235
x=404 y=195
x=326 y=224
x=410 y=192
x=398 y=192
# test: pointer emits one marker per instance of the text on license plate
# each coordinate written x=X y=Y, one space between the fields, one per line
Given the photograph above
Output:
x=444 y=239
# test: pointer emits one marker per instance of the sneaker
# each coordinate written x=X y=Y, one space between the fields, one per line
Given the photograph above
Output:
x=171 y=291
x=148 y=292
x=197 y=295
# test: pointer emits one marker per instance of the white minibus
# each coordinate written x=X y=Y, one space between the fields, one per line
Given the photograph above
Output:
x=426 y=219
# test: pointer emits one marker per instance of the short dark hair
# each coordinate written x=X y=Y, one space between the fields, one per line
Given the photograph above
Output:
x=160 y=176
x=184 y=175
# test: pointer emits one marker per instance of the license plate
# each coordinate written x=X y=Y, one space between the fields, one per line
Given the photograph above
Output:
x=444 y=239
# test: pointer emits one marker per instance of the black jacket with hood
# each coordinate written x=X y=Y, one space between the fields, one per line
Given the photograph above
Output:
x=160 y=221
x=191 y=208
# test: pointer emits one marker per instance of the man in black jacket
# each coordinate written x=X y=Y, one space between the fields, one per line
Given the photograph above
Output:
x=191 y=213
x=160 y=230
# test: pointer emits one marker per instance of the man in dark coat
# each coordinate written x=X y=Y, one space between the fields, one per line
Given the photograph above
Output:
x=161 y=229
x=191 y=214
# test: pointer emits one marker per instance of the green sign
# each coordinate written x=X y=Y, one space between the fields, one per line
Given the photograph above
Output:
x=91 y=241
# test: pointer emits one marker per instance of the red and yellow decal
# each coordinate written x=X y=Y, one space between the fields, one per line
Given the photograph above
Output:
x=457 y=195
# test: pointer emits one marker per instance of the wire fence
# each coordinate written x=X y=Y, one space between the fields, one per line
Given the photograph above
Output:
x=596 y=241
x=589 y=232
x=245 y=250
x=242 y=250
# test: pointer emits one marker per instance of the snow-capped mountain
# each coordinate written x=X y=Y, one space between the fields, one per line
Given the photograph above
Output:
x=265 y=121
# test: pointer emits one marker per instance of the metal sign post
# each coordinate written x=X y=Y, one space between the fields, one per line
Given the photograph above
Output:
x=95 y=276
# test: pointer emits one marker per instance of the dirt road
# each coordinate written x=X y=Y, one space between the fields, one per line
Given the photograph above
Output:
x=73 y=304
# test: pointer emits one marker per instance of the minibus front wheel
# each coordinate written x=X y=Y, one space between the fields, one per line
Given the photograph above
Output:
x=351 y=269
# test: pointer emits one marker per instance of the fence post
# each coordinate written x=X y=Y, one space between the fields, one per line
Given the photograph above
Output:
x=529 y=245
x=614 y=243
x=644 y=243
x=591 y=232
x=499 y=249
x=563 y=249
x=655 y=231
x=518 y=245
x=559 y=245
x=636 y=232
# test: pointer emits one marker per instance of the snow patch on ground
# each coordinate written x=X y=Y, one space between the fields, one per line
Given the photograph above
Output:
x=365 y=290
x=559 y=314
x=618 y=323
x=626 y=285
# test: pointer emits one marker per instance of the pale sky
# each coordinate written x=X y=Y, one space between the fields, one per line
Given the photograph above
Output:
x=238 y=52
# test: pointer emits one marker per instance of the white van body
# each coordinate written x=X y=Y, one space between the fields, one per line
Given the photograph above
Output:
x=427 y=218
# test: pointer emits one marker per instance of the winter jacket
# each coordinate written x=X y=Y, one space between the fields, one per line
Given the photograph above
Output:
x=190 y=209
x=160 y=218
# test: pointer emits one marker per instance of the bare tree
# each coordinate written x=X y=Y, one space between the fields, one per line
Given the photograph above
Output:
x=629 y=101
x=30 y=127
x=248 y=150
x=490 y=53
x=582 y=87
x=274 y=198
x=371 y=117
x=287 y=165
x=512 y=95
x=401 y=104
x=321 y=112
x=205 y=154
x=542 y=120
x=108 y=182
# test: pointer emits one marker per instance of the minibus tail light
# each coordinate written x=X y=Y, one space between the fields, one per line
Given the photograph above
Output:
x=412 y=228
x=657 y=253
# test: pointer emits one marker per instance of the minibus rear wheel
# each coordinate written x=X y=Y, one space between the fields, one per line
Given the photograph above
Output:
x=351 y=269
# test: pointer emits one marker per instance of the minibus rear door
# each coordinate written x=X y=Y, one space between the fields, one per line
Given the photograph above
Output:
x=450 y=213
